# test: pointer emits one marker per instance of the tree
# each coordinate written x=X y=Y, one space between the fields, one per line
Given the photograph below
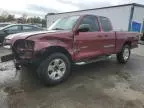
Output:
x=43 y=23
x=10 y=18
x=3 y=16
x=34 y=20
x=24 y=18
x=37 y=20
x=29 y=20
x=6 y=17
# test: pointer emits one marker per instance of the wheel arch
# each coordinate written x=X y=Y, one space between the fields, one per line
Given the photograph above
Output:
x=127 y=43
x=56 y=49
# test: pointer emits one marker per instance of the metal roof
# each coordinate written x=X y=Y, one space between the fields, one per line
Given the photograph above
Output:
x=133 y=4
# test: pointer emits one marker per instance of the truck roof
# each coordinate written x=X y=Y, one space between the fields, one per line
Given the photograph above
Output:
x=85 y=15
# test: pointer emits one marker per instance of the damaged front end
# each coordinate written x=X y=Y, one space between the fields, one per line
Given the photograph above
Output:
x=23 y=49
x=22 y=52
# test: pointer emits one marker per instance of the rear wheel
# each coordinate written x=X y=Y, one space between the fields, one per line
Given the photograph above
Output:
x=124 y=55
x=55 y=69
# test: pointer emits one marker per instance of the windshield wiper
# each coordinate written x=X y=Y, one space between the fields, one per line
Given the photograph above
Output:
x=58 y=29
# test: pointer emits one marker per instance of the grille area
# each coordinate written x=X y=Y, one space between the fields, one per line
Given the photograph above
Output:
x=23 y=48
x=19 y=44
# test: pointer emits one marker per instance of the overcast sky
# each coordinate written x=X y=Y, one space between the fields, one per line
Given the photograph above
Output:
x=42 y=7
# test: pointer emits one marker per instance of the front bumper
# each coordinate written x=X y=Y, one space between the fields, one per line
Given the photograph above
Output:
x=19 y=63
x=27 y=57
x=13 y=56
x=27 y=61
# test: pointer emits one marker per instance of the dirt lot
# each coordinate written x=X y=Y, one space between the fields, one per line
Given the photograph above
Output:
x=105 y=84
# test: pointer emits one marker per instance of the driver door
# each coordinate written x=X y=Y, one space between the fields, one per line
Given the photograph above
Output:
x=89 y=43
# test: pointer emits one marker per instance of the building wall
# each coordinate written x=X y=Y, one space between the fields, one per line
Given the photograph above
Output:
x=119 y=16
x=138 y=15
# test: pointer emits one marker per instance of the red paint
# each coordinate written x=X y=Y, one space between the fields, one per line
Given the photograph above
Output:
x=82 y=45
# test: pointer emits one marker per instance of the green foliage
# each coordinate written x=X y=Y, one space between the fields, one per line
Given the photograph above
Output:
x=6 y=17
x=34 y=20
x=43 y=23
x=10 y=18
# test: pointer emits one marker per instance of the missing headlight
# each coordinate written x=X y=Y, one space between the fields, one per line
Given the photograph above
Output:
x=29 y=44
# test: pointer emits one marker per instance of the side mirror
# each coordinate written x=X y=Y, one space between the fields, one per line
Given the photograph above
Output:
x=84 y=28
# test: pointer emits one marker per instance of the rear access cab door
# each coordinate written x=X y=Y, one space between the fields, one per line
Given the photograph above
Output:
x=107 y=35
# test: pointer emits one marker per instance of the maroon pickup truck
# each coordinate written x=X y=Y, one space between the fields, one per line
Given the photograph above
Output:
x=71 y=40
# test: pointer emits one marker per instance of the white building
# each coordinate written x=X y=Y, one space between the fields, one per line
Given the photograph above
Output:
x=127 y=17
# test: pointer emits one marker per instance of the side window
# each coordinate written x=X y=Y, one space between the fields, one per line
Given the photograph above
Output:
x=92 y=22
x=13 y=28
x=27 y=28
x=106 y=24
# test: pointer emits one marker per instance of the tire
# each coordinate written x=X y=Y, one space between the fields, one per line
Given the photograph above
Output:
x=55 y=69
x=124 y=55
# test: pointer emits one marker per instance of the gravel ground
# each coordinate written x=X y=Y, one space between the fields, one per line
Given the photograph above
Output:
x=105 y=84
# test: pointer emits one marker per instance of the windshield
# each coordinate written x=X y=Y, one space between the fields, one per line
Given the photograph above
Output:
x=66 y=23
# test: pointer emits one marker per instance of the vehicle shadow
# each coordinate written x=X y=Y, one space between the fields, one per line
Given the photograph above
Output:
x=29 y=80
x=86 y=81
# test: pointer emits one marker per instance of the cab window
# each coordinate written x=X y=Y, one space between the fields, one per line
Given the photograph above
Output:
x=92 y=22
x=106 y=24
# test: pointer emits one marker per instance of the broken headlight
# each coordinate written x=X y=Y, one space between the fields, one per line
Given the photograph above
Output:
x=29 y=44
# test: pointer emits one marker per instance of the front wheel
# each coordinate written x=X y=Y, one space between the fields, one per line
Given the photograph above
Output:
x=55 y=69
x=124 y=55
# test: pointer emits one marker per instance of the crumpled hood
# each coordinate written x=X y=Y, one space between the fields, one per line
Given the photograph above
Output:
x=40 y=35
x=25 y=34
